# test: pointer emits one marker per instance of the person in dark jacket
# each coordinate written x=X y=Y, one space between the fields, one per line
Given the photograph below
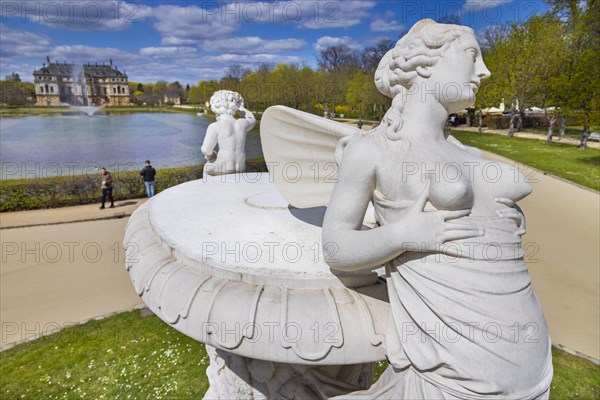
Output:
x=148 y=172
x=106 y=182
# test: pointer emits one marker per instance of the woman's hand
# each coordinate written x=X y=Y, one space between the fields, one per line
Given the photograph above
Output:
x=428 y=230
x=514 y=213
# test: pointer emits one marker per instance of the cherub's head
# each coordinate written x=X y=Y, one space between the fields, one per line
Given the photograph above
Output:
x=225 y=102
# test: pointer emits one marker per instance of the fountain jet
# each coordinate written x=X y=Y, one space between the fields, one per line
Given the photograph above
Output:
x=78 y=75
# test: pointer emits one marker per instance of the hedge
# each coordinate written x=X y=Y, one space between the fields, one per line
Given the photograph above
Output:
x=31 y=194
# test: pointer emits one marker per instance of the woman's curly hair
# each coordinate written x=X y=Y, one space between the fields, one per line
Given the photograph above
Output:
x=421 y=47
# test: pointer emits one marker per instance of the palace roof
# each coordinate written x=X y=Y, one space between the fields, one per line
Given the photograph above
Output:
x=91 y=70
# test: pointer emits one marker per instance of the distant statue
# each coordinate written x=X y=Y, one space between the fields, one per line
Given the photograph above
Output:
x=228 y=133
x=464 y=320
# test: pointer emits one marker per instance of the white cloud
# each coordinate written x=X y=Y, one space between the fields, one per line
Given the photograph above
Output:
x=379 y=25
x=326 y=14
x=22 y=52
x=328 y=41
x=168 y=51
x=23 y=69
x=18 y=43
x=183 y=29
x=79 y=15
x=153 y=63
x=193 y=68
x=83 y=54
x=476 y=5
x=314 y=14
x=386 y=23
x=252 y=44
x=181 y=26
x=251 y=59
x=212 y=22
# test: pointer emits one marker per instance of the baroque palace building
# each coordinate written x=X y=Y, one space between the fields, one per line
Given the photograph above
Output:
x=80 y=85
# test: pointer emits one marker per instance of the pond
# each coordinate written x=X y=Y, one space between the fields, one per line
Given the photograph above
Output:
x=43 y=146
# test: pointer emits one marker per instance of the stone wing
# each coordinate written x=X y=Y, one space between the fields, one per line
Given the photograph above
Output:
x=300 y=151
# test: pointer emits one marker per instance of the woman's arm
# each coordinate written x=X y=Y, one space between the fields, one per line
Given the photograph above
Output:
x=348 y=248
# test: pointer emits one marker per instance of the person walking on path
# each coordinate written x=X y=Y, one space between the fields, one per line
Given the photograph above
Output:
x=148 y=172
x=453 y=121
x=106 y=182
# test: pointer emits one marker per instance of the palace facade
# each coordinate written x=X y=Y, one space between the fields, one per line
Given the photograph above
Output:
x=89 y=84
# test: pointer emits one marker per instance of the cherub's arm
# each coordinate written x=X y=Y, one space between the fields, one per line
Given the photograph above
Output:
x=249 y=118
x=210 y=141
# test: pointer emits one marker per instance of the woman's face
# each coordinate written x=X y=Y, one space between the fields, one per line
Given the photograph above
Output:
x=458 y=74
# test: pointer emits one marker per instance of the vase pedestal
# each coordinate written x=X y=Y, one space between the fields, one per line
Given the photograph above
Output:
x=227 y=262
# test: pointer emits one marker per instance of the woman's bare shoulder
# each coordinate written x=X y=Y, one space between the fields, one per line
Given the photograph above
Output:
x=361 y=156
x=365 y=145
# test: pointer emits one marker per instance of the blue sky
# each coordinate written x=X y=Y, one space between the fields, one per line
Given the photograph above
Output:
x=195 y=40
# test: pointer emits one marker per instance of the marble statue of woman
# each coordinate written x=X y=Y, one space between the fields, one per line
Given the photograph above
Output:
x=465 y=322
x=228 y=133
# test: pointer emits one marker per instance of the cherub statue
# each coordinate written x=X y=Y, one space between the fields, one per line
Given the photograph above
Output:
x=464 y=320
x=228 y=133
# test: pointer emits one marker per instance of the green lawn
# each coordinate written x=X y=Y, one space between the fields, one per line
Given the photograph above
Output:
x=27 y=111
x=124 y=356
x=562 y=160
x=127 y=356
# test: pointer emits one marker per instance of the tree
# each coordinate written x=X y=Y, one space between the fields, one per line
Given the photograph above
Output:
x=492 y=36
x=195 y=96
x=264 y=69
x=522 y=65
x=548 y=49
x=234 y=74
x=237 y=72
x=14 y=77
x=578 y=87
x=201 y=93
x=364 y=96
x=284 y=87
x=337 y=66
x=16 y=93
x=187 y=92
x=371 y=56
x=148 y=96
x=337 y=58
x=160 y=90
x=175 y=87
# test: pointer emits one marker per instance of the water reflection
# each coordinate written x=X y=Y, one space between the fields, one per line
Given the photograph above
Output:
x=41 y=146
